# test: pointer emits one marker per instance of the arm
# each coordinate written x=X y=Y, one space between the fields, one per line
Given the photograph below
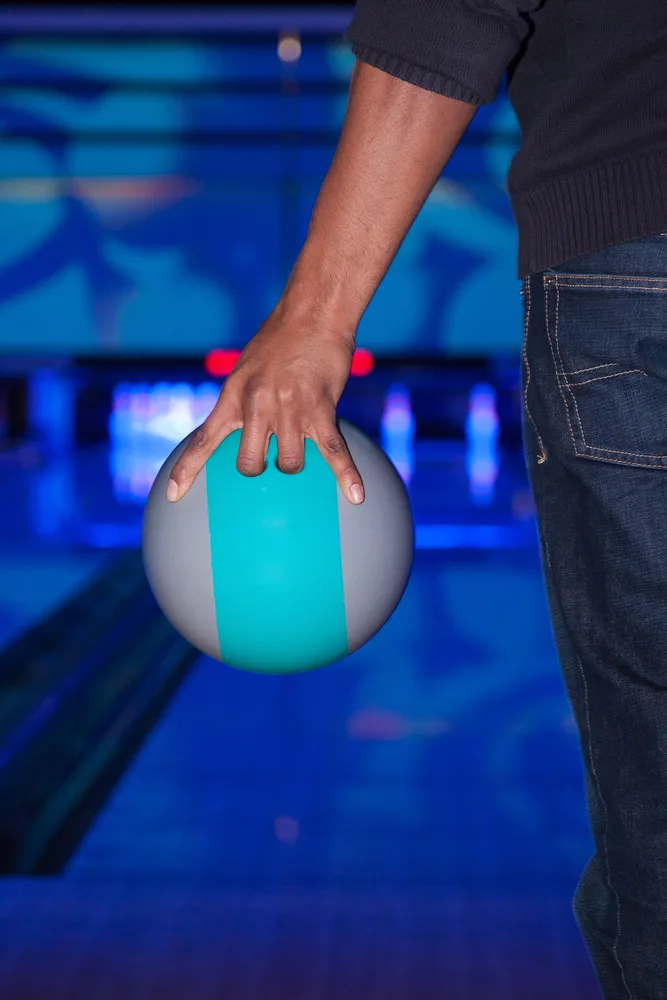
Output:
x=395 y=142
x=424 y=67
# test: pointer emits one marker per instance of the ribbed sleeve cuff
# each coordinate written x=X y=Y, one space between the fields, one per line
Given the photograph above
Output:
x=418 y=75
x=459 y=48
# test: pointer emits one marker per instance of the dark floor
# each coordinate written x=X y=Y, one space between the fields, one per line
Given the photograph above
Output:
x=165 y=940
x=407 y=824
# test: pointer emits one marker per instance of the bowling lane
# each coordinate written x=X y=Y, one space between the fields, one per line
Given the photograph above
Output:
x=431 y=783
x=442 y=754
x=44 y=562
x=409 y=817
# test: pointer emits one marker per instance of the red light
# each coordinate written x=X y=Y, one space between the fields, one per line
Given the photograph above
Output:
x=363 y=362
x=220 y=362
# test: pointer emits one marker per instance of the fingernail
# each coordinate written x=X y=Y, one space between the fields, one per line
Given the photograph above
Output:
x=357 y=493
x=172 y=490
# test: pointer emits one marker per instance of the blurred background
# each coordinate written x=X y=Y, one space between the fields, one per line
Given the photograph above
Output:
x=408 y=824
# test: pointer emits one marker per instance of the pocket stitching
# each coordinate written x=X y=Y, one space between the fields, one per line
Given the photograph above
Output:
x=621 y=461
x=609 y=280
x=595 y=368
x=617 y=288
x=617 y=451
x=601 y=378
x=560 y=380
x=553 y=355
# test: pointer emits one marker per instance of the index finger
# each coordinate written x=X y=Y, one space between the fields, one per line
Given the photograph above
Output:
x=198 y=450
x=331 y=443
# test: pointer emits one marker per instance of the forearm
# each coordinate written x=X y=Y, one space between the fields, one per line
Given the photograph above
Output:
x=395 y=142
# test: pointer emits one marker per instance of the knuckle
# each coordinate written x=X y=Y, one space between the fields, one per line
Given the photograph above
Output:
x=345 y=474
x=201 y=438
x=286 y=395
x=347 y=467
x=334 y=444
x=255 y=389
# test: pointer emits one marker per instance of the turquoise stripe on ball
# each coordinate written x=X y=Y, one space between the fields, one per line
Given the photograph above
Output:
x=276 y=559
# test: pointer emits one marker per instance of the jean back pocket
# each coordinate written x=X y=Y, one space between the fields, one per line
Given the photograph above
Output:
x=608 y=340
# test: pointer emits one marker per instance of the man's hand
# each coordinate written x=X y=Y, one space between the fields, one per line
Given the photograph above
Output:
x=396 y=140
x=287 y=382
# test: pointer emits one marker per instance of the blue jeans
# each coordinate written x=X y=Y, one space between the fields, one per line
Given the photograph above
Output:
x=595 y=381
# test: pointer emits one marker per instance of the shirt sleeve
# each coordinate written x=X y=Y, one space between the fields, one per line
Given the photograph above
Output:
x=459 y=48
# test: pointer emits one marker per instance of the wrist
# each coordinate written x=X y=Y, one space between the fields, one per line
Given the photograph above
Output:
x=310 y=304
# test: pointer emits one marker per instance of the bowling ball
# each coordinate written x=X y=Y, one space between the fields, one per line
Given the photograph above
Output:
x=279 y=573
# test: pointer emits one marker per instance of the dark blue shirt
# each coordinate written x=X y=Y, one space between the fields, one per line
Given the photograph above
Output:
x=588 y=81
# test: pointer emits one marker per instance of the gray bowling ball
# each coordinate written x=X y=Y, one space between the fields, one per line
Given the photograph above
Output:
x=279 y=573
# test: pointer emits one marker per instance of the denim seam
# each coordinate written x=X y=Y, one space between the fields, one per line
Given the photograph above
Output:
x=562 y=371
x=553 y=355
x=637 y=454
x=620 y=461
x=595 y=368
x=598 y=786
x=608 y=279
x=601 y=378
x=542 y=457
x=618 y=288
x=606 y=830
x=553 y=280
